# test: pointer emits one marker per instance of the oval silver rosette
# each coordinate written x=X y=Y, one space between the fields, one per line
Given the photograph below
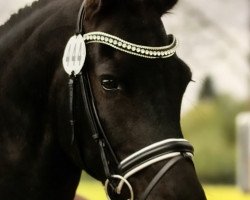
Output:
x=74 y=55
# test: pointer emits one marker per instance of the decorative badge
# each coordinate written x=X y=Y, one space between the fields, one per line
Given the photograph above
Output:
x=74 y=55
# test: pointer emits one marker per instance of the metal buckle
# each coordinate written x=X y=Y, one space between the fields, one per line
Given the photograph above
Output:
x=118 y=190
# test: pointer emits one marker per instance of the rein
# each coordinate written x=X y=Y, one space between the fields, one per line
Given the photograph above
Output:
x=172 y=150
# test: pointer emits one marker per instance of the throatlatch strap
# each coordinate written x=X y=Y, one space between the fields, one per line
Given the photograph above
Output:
x=71 y=85
x=72 y=122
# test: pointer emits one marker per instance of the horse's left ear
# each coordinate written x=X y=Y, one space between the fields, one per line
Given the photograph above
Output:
x=161 y=6
x=91 y=7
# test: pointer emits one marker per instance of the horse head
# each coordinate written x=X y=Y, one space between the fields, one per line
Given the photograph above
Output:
x=135 y=95
x=123 y=107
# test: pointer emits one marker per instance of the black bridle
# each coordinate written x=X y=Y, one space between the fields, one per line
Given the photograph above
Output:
x=171 y=150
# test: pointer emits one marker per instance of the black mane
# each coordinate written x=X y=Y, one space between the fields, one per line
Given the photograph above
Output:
x=21 y=14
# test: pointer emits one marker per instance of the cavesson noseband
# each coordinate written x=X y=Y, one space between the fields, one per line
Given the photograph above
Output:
x=172 y=149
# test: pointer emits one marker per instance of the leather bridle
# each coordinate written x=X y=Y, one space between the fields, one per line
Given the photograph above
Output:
x=117 y=172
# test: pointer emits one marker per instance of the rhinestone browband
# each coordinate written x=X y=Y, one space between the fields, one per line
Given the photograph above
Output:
x=131 y=48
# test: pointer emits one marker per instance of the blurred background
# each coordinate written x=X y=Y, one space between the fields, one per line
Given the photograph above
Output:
x=214 y=41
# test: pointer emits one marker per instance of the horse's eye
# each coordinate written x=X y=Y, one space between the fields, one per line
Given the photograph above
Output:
x=110 y=84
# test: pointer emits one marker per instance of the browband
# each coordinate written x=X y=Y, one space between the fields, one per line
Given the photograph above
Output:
x=131 y=48
x=75 y=50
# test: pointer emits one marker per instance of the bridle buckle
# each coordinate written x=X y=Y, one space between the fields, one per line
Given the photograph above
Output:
x=118 y=189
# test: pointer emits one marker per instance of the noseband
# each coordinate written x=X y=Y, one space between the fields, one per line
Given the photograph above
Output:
x=117 y=172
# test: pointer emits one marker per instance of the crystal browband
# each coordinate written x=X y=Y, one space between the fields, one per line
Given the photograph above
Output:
x=131 y=48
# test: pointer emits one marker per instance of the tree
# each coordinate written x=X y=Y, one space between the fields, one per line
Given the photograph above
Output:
x=207 y=90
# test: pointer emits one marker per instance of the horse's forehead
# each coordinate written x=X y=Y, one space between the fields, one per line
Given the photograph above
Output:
x=127 y=22
x=139 y=19
x=138 y=26
x=141 y=32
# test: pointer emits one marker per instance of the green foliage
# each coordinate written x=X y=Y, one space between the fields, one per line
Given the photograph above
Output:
x=93 y=190
x=210 y=126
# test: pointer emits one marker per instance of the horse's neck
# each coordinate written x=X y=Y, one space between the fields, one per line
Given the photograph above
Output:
x=46 y=18
x=38 y=176
x=33 y=165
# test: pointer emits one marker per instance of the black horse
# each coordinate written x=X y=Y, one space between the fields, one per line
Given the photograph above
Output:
x=123 y=99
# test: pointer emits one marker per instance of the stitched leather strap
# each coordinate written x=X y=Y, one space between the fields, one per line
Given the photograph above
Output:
x=177 y=145
x=159 y=175
x=95 y=124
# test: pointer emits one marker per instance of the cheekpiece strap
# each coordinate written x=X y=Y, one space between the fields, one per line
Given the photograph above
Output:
x=131 y=48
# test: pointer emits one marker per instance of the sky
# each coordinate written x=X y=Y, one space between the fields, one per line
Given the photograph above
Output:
x=214 y=41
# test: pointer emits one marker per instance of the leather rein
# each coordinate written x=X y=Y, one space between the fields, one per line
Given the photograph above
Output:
x=172 y=150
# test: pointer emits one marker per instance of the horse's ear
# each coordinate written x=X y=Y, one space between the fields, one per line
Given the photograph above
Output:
x=91 y=7
x=161 y=6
